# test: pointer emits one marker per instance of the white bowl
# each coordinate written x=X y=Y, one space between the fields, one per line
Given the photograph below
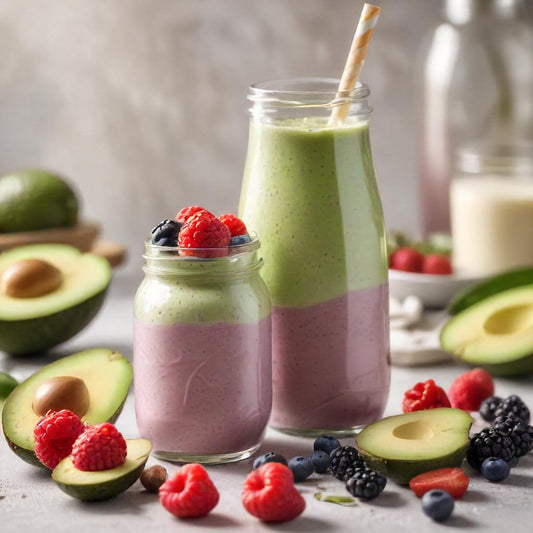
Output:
x=434 y=290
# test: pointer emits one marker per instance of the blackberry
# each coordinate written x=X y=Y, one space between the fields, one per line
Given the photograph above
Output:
x=365 y=483
x=513 y=404
x=166 y=232
x=520 y=433
x=489 y=443
x=344 y=459
x=488 y=408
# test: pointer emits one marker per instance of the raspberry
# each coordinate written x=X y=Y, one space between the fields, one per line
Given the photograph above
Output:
x=437 y=264
x=407 y=259
x=190 y=493
x=204 y=231
x=187 y=212
x=470 y=389
x=99 y=447
x=424 y=396
x=55 y=434
x=269 y=494
x=235 y=225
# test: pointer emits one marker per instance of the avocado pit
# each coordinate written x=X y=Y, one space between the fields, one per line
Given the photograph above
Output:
x=30 y=278
x=61 y=392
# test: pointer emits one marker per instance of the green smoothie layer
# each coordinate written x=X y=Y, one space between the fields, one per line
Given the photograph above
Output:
x=311 y=194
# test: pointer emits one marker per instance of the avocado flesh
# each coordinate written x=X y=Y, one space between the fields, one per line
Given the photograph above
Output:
x=496 y=333
x=106 y=373
x=103 y=484
x=403 y=446
x=29 y=325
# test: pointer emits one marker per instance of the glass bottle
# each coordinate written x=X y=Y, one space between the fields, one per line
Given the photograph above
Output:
x=311 y=191
x=202 y=354
x=475 y=83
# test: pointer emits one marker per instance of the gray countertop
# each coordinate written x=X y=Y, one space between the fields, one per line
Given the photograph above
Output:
x=30 y=501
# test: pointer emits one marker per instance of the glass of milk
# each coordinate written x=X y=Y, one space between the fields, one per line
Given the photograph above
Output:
x=491 y=208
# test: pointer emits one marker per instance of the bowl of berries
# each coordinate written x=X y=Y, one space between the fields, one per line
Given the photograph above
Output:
x=424 y=269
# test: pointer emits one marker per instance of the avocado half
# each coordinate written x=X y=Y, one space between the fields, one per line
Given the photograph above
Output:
x=403 y=446
x=496 y=333
x=29 y=325
x=107 y=375
x=7 y=384
x=104 y=484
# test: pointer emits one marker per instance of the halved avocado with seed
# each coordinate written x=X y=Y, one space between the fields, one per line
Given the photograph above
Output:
x=48 y=293
x=104 y=484
x=403 y=446
x=496 y=333
x=107 y=375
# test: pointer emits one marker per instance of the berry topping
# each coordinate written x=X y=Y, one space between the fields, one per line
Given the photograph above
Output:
x=407 y=259
x=513 y=405
x=152 y=478
x=166 y=233
x=301 y=468
x=424 y=396
x=55 y=433
x=269 y=457
x=495 y=469
x=326 y=443
x=365 y=483
x=203 y=231
x=519 y=432
x=188 y=212
x=344 y=461
x=240 y=240
x=437 y=264
x=489 y=443
x=452 y=480
x=235 y=225
x=437 y=504
x=320 y=460
x=470 y=389
x=488 y=408
x=190 y=493
x=269 y=494
x=99 y=447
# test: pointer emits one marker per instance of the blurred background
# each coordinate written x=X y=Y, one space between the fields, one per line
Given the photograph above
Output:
x=142 y=103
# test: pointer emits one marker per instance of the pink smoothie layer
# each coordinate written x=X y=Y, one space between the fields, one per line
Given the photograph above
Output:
x=200 y=389
x=331 y=362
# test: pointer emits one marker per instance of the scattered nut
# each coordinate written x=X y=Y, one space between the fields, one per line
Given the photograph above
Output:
x=30 y=278
x=61 y=392
x=152 y=478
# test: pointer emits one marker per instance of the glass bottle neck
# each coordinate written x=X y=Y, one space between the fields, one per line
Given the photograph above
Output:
x=465 y=11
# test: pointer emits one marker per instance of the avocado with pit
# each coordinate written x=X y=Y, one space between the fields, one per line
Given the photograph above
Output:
x=103 y=484
x=36 y=199
x=403 y=446
x=107 y=375
x=48 y=294
x=495 y=333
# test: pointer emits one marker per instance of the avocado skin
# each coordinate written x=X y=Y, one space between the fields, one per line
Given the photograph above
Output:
x=403 y=471
x=35 y=199
x=24 y=337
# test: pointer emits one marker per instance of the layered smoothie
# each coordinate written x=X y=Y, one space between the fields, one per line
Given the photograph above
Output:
x=202 y=356
x=310 y=190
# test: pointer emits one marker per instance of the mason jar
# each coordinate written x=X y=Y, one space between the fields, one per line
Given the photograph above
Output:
x=202 y=354
x=310 y=190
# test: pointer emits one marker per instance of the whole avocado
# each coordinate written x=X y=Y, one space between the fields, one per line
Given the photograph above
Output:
x=36 y=199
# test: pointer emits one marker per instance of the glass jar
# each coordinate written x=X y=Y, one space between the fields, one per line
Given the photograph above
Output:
x=310 y=189
x=491 y=200
x=202 y=354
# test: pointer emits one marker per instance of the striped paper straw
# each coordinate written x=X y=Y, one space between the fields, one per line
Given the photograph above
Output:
x=356 y=58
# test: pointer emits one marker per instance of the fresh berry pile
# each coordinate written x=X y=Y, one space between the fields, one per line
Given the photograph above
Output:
x=199 y=233
x=411 y=260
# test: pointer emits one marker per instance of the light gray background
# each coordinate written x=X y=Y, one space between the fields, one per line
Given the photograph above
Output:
x=142 y=102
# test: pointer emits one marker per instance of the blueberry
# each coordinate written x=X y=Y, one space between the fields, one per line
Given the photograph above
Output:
x=495 y=469
x=326 y=444
x=166 y=229
x=269 y=457
x=301 y=467
x=239 y=240
x=320 y=460
x=437 y=504
x=166 y=241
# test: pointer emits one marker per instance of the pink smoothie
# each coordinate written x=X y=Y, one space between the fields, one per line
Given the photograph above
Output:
x=331 y=366
x=200 y=389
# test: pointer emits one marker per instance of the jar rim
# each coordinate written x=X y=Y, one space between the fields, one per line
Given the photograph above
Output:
x=495 y=157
